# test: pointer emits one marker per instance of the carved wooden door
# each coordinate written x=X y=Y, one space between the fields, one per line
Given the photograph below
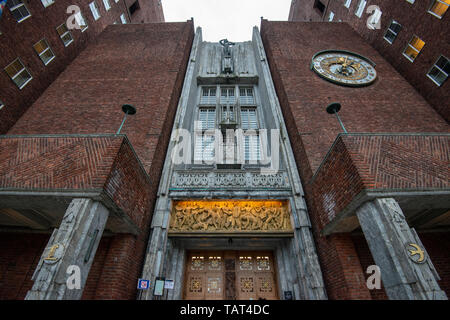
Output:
x=230 y=275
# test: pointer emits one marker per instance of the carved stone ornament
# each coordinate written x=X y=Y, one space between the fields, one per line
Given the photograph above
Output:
x=230 y=216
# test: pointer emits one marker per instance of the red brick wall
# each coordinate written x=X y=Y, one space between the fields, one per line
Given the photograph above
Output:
x=415 y=20
x=17 y=40
x=19 y=256
x=149 y=11
x=87 y=98
x=384 y=106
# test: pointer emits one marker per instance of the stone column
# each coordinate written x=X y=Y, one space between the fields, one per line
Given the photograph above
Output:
x=71 y=246
x=406 y=269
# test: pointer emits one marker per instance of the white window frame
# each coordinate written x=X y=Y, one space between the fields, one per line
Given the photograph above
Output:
x=331 y=16
x=94 y=10
x=80 y=18
x=348 y=3
x=434 y=14
x=47 y=3
x=409 y=45
x=43 y=52
x=64 y=34
x=360 y=9
x=16 y=7
x=392 y=31
x=107 y=4
x=123 y=19
x=246 y=99
x=208 y=99
x=440 y=70
x=19 y=72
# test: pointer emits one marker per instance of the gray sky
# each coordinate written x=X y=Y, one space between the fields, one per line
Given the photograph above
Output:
x=231 y=19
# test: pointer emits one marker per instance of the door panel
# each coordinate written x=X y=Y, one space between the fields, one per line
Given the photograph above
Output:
x=231 y=275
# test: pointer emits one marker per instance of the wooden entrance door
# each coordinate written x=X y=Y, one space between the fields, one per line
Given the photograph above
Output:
x=231 y=275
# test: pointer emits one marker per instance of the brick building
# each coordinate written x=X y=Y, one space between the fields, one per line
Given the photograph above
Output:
x=299 y=215
x=411 y=35
x=35 y=40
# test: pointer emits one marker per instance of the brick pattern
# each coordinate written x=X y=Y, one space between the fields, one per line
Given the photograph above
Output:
x=384 y=106
x=379 y=162
x=415 y=20
x=17 y=40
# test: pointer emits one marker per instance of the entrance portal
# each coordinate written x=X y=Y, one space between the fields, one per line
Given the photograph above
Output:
x=230 y=275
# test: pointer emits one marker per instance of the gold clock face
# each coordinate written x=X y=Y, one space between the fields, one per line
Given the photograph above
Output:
x=344 y=68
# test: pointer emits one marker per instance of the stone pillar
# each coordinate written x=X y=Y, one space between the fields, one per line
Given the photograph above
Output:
x=406 y=269
x=74 y=243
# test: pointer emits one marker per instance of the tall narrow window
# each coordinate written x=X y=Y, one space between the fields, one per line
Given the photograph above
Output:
x=249 y=124
x=392 y=31
x=208 y=96
x=360 y=9
x=81 y=21
x=331 y=16
x=94 y=10
x=347 y=3
x=18 y=73
x=439 y=8
x=207 y=118
x=248 y=118
x=440 y=71
x=18 y=10
x=204 y=143
x=413 y=48
x=228 y=114
x=123 y=19
x=246 y=96
x=46 y=3
x=106 y=4
x=227 y=96
x=43 y=50
x=64 y=34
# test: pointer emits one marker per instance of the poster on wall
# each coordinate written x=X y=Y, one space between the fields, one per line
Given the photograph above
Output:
x=159 y=287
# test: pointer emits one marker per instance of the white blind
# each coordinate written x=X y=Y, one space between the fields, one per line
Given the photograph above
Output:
x=207 y=118
x=252 y=147
x=227 y=96
x=204 y=147
x=248 y=118
x=246 y=96
x=208 y=96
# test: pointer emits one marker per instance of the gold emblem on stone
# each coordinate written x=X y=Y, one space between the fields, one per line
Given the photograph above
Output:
x=54 y=254
x=417 y=255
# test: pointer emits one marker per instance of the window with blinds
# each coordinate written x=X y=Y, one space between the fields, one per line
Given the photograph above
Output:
x=43 y=50
x=207 y=118
x=228 y=114
x=248 y=118
x=204 y=147
x=208 y=96
x=227 y=96
x=252 y=148
x=18 y=73
x=246 y=96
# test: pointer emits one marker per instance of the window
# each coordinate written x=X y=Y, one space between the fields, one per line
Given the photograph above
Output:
x=440 y=71
x=43 y=50
x=227 y=96
x=248 y=118
x=94 y=10
x=347 y=3
x=18 y=73
x=251 y=139
x=360 y=9
x=1 y=105
x=106 y=4
x=208 y=95
x=123 y=19
x=135 y=6
x=392 y=31
x=410 y=1
x=413 y=48
x=331 y=16
x=319 y=6
x=246 y=96
x=18 y=10
x=46 y=3
x=439 y=7
x=117 y=1
x=80 y=21
x=64 y=34
x=228 y=114
x=204 y=143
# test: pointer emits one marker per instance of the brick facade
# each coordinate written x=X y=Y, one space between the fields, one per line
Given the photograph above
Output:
x=87 y=98
x=415 y=20
x=384 y=106
x=17 y=40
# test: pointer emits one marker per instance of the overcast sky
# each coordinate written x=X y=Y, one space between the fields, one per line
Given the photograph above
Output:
x=231 y=19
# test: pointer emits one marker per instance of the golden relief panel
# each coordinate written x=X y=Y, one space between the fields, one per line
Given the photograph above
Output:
x=230 y=216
